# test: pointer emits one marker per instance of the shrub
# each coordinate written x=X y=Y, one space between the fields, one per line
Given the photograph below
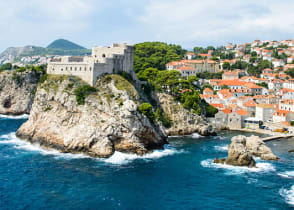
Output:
x=82 y=92
x=162 y=117
x=43 y=78
x=146 y=109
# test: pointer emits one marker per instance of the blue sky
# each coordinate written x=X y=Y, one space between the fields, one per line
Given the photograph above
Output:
x=186 y=22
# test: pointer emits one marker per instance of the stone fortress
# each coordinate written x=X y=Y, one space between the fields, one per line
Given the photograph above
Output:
x=104 y=60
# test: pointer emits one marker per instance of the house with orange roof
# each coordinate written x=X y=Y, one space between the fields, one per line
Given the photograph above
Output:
x=290 y=59
x=278 y=62
x=275 y=84
x=286 y=93
x=190 y=55
x=268 y=70
x=264 y=112
x=211 y=99
x=207 y=91
x=230 y=75
x=283 y=116
x=287 y=105
x=250 y=107
x=236 y=119
x=218 y=106
x=255 y=89
x=232 y=84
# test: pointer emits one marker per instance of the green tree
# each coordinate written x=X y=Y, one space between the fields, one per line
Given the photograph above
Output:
x=226 y=65
x=147 y=110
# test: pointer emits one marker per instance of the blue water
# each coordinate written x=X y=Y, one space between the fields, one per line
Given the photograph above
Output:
x=180 y=177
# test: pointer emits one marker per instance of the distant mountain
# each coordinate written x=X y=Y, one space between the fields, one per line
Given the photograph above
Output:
x=58 y=47
x=65 y=45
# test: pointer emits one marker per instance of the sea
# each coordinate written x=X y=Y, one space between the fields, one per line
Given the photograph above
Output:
x=181 y=176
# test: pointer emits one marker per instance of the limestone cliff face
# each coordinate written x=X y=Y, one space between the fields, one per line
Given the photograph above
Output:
x=17 y=90
x=108 y=121
x=184 y=122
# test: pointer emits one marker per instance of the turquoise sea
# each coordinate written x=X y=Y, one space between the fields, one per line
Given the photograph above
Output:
x=182 y=176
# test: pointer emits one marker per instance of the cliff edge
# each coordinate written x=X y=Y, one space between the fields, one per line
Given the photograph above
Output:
x=71 y=116
x=17 y=90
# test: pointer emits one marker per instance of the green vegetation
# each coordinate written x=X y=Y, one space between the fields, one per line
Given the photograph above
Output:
x=263 y=84
x=208 y=75
x=82 y=92
x=147 y=110
x=290 y=72
x=6 y=66
x=155 y=55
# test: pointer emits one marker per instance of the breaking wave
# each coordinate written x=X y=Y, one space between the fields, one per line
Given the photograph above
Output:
x=118 y=158
x=288 y=195
x=24 y=116
x=235 y=170
x=223 y=148
x=123 y=158
x=287 y=174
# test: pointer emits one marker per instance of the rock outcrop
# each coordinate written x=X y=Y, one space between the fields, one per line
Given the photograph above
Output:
x=242 y=149
x=258 y=148
x=238 y=154
x=17 y=90
x=184 y=121
x=106 y=122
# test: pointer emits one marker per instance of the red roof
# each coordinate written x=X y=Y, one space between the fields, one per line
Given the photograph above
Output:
x=227 y=111
x=242 y=112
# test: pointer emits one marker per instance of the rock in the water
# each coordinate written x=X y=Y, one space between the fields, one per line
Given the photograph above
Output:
x=291 y=151
x=238 y=154
x=258 y=148
x=106 y=122
x=221 y=161
x=17 y=90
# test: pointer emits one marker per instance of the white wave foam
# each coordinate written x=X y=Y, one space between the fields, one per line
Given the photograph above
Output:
x=119 y=158
x=260 y=167
x=287 y=174
x=196 y=136
x=24 y=116
x=288 y=195
x=26 y=146
x=220 y=137
x=221 y=148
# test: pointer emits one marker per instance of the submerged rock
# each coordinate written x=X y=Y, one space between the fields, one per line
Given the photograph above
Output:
x=221 y=161
x=106 y=122
x=238 y=154
x=258 y=148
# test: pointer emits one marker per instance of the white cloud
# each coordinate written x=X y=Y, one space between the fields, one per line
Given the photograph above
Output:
x=218 y=21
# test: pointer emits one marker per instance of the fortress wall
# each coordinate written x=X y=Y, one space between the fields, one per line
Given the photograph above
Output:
x=82 y=70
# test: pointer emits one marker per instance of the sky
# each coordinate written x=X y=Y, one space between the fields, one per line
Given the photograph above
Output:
x=189 y=23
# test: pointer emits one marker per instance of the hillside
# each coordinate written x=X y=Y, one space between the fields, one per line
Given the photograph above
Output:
x=65 y=45
x=58 y=47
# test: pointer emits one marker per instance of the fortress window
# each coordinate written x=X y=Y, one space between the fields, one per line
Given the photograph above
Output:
x=65 y=68
x=85 y=68
x=75 y=68
x=103 y=55
x=70 y=68
x=90 y=68
x=61 y=69
x=80 y=68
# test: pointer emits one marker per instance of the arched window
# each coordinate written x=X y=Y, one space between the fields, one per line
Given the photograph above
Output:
x=61 y=69
x=65 y=68
x=85 y=68
x=75 y=68
x=70 y=68
x=80 y=68
x=103 y=56
x=90 y=68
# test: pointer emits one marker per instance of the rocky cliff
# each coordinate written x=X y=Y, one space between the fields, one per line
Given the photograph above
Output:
x=184 y=122
x=73 y=117
x=17 y=90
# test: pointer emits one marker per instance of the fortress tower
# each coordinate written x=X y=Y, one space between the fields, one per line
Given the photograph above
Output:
x=104 y=60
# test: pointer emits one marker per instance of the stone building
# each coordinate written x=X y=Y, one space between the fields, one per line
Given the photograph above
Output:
x=104 y=60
